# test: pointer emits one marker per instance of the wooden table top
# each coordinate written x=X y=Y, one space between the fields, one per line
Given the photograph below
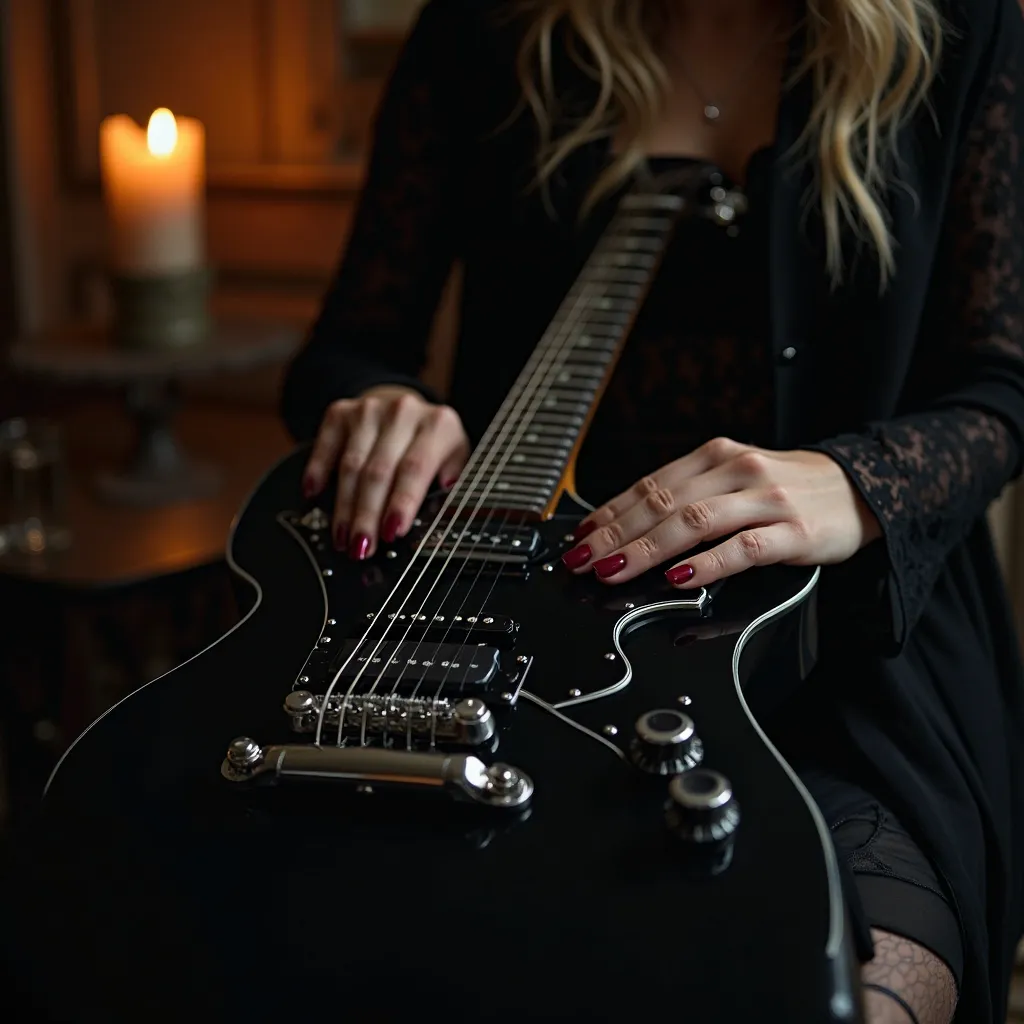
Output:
x=116 y=545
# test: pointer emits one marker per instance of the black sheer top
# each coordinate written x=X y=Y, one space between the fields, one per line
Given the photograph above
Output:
x=918 y=393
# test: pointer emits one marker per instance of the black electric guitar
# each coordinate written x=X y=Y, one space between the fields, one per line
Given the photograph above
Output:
x=456 y=782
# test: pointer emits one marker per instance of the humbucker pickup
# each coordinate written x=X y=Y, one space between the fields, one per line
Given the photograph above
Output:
x=411 y=664
x=455 y=628
x=509 y=545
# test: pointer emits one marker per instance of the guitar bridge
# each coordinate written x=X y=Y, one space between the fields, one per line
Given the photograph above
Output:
x=418 y=721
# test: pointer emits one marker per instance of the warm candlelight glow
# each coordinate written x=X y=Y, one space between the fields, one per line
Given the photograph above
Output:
x=153 y=181
x=162 y=133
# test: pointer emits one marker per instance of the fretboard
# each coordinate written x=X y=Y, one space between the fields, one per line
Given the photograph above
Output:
x=525 y=457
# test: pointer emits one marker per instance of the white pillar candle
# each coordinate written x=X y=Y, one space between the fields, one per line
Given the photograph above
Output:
x=153 y=182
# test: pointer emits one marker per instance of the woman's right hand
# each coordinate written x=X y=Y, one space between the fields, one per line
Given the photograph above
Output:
x=388 y=445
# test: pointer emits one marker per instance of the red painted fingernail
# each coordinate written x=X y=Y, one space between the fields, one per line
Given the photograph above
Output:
x=607 y=567
x=448 y=483
x=679 y=574
x=389 y=531
x=308 y=486
x=578 y=557
x=360 y=547
x=584 y=530
x=341 y=537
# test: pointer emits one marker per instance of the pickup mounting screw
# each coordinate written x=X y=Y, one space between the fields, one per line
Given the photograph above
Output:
x=325 y=639
x=390 y=554
x=334 y=622
x=328 y=572
x=439 y=618
x=610 y=730
x=568 y=538
x=549 y=567
x=488 y=621
x=303 y=679
x=685 y=701
x=630 y=606
x=369 y=615
x=609 y=656
x=522 y=659
x=575 y=693
x=506 y=697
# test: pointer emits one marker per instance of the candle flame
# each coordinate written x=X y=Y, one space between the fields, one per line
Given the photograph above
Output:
x=162 y=133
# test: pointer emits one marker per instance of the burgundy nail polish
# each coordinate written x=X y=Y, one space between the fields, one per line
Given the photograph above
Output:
x=449 y=483
x=578 y=557
x=360 y=547
x=389 y=531
x=679 y=574
x=584 y=530
x=605 y=568
x=341 y=537
x=308 y=486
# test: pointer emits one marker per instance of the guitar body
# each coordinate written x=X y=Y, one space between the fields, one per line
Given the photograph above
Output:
x=165 y=886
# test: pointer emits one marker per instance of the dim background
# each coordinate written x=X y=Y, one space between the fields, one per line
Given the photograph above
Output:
x=286 y=90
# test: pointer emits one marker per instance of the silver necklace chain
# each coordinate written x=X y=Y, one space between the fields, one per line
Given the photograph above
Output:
x=712 y=109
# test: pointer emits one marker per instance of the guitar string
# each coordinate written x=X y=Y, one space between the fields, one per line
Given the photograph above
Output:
x=586 y=284
x=501 y=422
x=588 y=281
x=530 y=390
x=504 y=418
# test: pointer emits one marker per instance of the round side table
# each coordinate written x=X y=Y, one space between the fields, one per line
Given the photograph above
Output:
x=160 y=471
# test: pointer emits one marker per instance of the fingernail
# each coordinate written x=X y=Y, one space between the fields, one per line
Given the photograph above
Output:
x=449 y=483
x=584 y=530
x=679 y=574
x=389 y=531
x=578 y=557
x=340 y=537
x=360 y=547
x=308 y=486
x=607 y=567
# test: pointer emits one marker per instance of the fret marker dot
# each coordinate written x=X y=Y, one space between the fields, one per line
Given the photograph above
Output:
x=711 y=112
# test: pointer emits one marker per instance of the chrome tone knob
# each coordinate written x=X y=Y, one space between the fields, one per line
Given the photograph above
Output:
x=666 y=743
x=701 y=807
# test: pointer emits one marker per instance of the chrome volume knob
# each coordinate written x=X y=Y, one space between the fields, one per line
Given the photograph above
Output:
x=666 y=743
x=701 y=807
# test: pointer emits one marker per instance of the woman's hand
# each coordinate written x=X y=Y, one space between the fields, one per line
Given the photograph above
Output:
x=795 y=507
x=388 y=445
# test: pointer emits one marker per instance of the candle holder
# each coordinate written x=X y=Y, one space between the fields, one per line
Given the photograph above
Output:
x=162 y=311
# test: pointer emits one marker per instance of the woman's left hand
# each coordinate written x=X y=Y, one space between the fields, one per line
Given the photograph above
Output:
x=797 y=508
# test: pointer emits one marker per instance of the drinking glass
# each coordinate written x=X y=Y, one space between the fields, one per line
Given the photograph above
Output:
x=33 y=501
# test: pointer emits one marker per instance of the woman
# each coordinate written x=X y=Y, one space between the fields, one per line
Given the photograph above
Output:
x=835 y=378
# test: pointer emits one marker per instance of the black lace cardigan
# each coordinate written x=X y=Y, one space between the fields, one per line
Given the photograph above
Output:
x=917 y=392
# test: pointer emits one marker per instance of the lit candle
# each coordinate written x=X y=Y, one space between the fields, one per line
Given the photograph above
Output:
x=153 y=181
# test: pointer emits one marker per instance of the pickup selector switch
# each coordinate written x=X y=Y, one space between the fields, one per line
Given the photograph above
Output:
x=666 y=743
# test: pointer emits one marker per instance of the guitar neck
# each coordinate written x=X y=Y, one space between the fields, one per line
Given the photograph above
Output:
x=525 y=460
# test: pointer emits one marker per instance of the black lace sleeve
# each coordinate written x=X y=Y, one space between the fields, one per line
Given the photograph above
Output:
x=375 y=321
x=931 y=475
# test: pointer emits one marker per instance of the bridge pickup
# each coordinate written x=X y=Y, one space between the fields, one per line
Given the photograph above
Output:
x=510 y=545
x=495 y=630
x=417 y=665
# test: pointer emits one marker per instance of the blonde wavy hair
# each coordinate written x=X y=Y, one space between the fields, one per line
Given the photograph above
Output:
x=871 y=63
